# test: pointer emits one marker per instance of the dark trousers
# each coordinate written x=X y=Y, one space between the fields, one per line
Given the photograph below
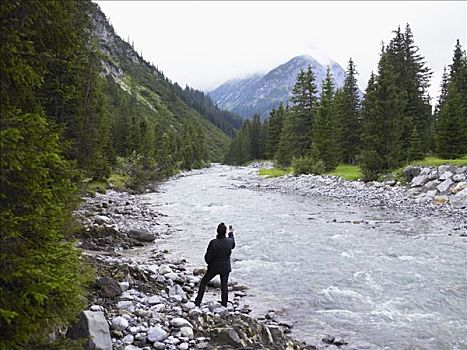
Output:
x=224 y=289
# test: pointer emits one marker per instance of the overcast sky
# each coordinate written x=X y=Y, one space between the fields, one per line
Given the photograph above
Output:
x=203 y=44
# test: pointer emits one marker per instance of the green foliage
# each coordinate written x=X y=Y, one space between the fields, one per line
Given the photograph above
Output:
x=274 y=131
x=308 y=165
x=435 y=161
x=325 y=145
x=347 y=171
x=42 y=280
x=274 y=172
x=451 y=112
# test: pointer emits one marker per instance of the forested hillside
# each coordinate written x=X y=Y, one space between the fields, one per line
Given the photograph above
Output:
x=393 y=124
x=77 y=102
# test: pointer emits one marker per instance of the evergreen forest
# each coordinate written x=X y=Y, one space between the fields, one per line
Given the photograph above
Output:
x=392 y=124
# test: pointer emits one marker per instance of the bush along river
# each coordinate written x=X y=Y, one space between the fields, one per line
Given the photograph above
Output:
x=335 y=263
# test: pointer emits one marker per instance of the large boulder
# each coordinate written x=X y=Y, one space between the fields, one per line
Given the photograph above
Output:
x=460 y=198
x=141 y=235
x=419 y=180
x=157 y=334
x=444 y=186
x=109 y=287
x=94 y=326
x=410 y=172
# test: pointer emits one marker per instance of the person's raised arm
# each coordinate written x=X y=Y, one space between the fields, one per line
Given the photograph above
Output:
x=231 y=236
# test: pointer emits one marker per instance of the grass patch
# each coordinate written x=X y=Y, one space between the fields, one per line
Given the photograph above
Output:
x=347 y=171
x=274 y=172
x=434 y=161
x=115 y=181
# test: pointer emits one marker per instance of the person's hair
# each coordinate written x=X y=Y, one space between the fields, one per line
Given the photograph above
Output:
x=221 y=229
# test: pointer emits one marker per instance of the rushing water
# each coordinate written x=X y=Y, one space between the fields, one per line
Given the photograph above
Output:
x=380 y=279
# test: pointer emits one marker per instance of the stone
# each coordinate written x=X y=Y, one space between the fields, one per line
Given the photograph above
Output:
x=125 y=285
x=127 y=305
x=458 y=187
x=157 y=334
x=221 y=311
x=176 y=290
x=159 y=345
x=460 y=198
x=128 y=339
x=459 y=177
x=188 y=306
x=410 y=172
x=440 y=200
x=199 y=272
x=184 y=346
x=155 y=299
x=340 y=341
x=132 y=347
x=212 y=305
x=329 y=339
x=431 y=185
x=119 y=323
x=164 y=269
x=109 y=287
x=180 y=322
x=419 y=181
x=172 y=340
x=444 y=186
x=187 y=332
x=173 y=276
x=446 y=175
x=228 y=336
x=96 y=308
x=444 y=168
x=102 y=220
x=141 y=235
x=94 y=326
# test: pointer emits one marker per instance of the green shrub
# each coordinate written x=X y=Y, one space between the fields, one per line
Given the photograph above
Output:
x=308 y=165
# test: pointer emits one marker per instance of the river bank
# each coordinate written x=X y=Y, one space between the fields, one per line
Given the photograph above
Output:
x=408 y=198
x=144 y=296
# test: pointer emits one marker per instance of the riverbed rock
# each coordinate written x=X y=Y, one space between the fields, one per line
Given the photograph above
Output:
x=102 y=220
x=92 y=325
x=119 y=323
x=440 y=200
x=410 y=172
x=419 y=181
x=165 y=269
x=109 y=287
x=458 y=187
x=460 y=198
x=180 y=322
x=157 y=334
x=141 y=235
x=444 y=186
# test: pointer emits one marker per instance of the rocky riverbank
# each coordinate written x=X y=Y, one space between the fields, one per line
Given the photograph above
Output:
x=428 y=191
x=142 y=298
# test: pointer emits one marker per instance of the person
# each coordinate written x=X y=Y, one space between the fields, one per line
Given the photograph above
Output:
x=218 y=259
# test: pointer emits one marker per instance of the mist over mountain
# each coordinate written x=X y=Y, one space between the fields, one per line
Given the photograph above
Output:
x=260 y=93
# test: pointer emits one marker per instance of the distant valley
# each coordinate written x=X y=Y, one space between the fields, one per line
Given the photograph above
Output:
x=260 y=93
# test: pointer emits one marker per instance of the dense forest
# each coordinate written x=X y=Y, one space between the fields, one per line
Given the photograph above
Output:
x=393 y=123
x=78 y=103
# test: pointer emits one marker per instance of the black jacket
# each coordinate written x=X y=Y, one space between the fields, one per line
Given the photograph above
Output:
x=218 y=254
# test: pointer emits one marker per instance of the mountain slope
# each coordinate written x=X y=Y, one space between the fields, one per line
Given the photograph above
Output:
x=139 y=78
x=261 y=93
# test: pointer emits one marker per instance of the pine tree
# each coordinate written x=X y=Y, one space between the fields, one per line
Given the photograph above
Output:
x=325 y=143
x=298 y=124
x=373 y=131
x=451 y=113
x=415 y=151
x=274 y=127
x=348 y=107
x=256 y=137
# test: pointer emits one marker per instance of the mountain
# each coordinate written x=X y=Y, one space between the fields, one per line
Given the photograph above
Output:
x=166 y=101
x=260 y=93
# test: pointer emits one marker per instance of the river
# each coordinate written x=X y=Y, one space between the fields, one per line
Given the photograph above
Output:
x=380 y=279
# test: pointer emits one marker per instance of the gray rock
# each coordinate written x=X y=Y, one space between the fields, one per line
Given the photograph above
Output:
x=172 y=340
x=410 y=172
x=444 y=186
x=157 y=334
x=124 y=285
x=128 y=339
x=458 y=187
x=446 y=175
x=119 y=323
x=132 y=347
x=159 y=345
x=419 y=181
x=184 y=346
x=187 y=332
x=102 y=220
x=155 y=299
x=444 y=168
x=173 y=276
x=164 y=269
x=127 y=305
x=459 y=177
x=229 y=336
x=92 y=325
x=460 y=198
x=176 y=290
x=431 y=185
x=440 y=200
x=180 y=322
x=109 y=287
x=141 y=235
